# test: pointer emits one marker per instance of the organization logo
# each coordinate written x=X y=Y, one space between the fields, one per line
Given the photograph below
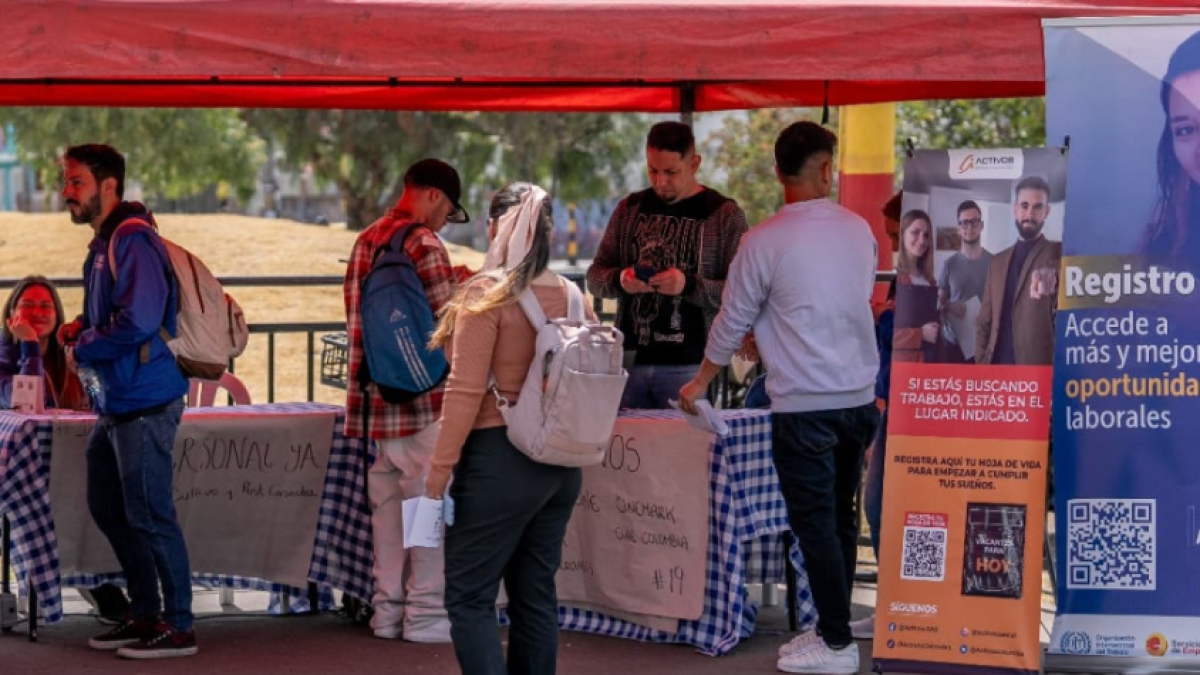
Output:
x=1075 y=642
x=1157 y=644
x=999 y=164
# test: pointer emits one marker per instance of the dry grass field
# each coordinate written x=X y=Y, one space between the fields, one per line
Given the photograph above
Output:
x=49 y=244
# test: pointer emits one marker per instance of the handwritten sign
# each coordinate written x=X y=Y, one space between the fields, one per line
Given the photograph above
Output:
x=27 y=394
x=247 y=493
x=638 y=538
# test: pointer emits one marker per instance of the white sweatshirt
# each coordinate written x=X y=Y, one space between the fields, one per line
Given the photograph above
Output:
x=802 y=280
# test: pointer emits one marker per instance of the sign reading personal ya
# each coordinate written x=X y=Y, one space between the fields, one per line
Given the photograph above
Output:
x=965 y=475
x=247 y=492
x=638 y=539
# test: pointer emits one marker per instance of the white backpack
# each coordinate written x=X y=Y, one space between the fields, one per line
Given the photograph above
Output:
x=572 y=393
x=211 y=328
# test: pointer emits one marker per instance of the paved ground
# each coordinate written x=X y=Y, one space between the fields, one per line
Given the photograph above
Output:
x=244 y=642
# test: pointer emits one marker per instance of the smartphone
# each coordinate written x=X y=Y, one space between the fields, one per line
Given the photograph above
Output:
x=644 y=272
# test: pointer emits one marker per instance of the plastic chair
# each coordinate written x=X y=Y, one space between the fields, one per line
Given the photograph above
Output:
x=202 y=393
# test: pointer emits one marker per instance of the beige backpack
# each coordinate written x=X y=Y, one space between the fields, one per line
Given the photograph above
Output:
x=572 y=392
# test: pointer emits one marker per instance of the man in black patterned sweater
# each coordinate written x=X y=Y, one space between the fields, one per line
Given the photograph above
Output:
x=664 y=257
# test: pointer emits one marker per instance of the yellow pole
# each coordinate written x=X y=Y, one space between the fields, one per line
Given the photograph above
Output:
x=867 y=169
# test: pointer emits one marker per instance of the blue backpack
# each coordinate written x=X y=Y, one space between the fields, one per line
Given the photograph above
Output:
x=396 y=324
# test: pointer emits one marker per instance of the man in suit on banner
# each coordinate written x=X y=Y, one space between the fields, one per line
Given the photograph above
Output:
x=1016 y=316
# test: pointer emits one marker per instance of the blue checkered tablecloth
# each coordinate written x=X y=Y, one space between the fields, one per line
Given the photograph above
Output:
x=747 y=519
x=341 y=556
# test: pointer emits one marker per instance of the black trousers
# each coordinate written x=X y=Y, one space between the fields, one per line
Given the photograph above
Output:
x=511 y=515
x=818 y=456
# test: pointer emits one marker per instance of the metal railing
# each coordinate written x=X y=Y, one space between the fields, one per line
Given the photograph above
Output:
x=333 y=353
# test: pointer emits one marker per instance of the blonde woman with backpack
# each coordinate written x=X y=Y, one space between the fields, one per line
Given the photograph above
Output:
x=510 y=512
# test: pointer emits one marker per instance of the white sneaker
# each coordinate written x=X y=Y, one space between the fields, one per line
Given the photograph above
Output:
x=822 y=660
x=802 y=643
x=863 y=629
x=392 y=632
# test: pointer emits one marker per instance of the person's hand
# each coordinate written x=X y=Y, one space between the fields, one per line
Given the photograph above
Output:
x=688 y=394
x=929 y=332
x=631 y=284
x=22 y=330
x=68 y=333
x=1044 y=283
x=956 y=309
x=669 y=282
x=749 y=349
x=70 y=353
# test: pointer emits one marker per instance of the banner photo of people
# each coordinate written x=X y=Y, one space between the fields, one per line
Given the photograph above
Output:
x=1127 y=92
x=964 y=487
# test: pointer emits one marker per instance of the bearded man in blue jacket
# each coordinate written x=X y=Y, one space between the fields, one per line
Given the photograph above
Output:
x=137 y=390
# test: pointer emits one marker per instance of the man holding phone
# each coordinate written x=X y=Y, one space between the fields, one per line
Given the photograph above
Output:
x=664 y=257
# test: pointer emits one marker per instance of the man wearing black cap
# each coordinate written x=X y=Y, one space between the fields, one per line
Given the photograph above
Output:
x=409 y=584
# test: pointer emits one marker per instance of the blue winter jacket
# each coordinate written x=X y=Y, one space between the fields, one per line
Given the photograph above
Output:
x=883 y=340
x=119 y=317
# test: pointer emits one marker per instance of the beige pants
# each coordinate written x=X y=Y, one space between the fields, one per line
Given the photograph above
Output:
x=409 y=583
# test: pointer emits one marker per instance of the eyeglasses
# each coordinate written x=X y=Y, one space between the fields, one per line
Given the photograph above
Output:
x=970 y=222
x=30 y=306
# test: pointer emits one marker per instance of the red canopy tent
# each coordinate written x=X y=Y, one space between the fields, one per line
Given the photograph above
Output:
x=579 y=55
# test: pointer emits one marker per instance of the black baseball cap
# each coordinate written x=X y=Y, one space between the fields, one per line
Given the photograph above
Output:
x=434 y=173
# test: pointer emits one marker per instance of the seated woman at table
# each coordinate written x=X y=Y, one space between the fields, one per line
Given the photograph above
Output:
x=510 y=512
x=29 y=345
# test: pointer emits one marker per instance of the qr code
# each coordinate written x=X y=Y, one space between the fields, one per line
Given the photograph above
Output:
x=924 y=554
x=1111 y=544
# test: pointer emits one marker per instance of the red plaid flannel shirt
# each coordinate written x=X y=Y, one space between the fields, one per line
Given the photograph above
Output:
x=433 y=267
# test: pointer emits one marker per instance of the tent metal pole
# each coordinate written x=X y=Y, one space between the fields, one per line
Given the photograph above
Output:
x=687 y=102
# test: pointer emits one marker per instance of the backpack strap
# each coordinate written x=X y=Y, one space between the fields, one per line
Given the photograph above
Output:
x=129 y=224
x=575 y=300
x=396 y=243
x=533 y=309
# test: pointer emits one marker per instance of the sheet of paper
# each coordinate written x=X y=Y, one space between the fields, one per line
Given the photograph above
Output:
x=706 y=418
x=422 y=522
x=27 y=394
x=964 y=327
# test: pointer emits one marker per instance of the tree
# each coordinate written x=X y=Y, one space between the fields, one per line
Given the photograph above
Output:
x=365 y=152
x=983 y=123
x=171 y=153
x=742 y=153
x=575 y=157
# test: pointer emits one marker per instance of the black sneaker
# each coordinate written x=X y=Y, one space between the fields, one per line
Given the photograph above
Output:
x=163 y=643
x=126 y=632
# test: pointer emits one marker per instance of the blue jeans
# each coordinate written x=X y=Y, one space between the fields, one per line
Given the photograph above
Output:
x=818 y=456
x=131 y=498
x=650 y=387
x=873 y=490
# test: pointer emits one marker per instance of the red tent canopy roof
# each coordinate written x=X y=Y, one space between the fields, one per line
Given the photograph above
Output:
x=604 y=55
